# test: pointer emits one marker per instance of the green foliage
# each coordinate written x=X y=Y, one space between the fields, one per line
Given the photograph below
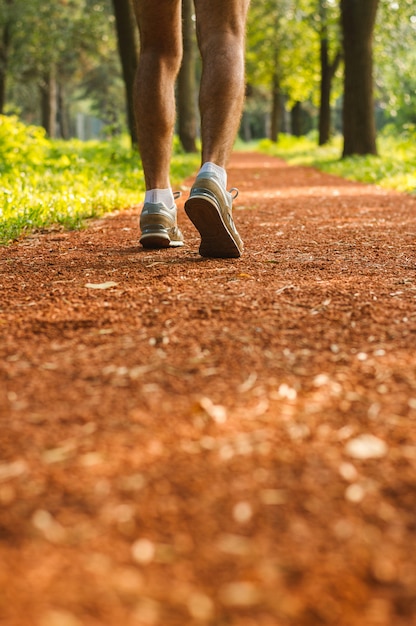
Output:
x=395 y=168
x=275 y=30
x=285 y=40
x=45 y=183
x=395 y=60
x=73 y=39
x=20 y=144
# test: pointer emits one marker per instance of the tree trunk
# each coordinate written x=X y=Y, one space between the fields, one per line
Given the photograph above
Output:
x=63 y=114
x=4 y=58
x=357 y=21
x=328 y=70
x=327 y=74
x=3 y=73
x=296 y=119
x=49 y=102
x=325 y=95
x=127 y=40
x=186 y=83
x=245 y=128
x=276 y=113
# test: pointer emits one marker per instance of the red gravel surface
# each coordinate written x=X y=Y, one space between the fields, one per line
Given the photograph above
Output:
x=188 y=441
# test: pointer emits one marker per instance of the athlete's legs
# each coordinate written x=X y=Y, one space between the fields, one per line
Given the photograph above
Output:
x=221 y=39
x=160 y=57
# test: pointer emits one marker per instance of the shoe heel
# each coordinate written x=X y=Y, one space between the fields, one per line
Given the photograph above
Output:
x=155 y=238
x=216 y=239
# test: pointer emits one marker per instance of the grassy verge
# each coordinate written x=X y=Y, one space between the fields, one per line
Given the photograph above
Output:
x=44 y=183
x=47 y=183
x=394 y=168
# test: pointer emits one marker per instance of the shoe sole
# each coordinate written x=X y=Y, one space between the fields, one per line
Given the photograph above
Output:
x=216 y=239
x=155 y=240
x=159 y=239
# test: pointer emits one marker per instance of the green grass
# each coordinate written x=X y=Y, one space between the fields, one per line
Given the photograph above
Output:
x=46 y=183
x=393 y=168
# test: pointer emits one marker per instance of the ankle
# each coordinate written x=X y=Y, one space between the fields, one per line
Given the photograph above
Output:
x=160 y=195
x=220 y=172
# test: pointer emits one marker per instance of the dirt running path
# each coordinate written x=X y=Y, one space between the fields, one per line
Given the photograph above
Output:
x=214 y=442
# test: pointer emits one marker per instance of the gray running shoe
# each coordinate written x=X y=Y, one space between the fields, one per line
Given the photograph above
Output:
x=159 y=225
x=209 y=208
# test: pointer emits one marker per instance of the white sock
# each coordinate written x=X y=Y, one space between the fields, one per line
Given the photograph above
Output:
x=160 y=195
x=209 y=167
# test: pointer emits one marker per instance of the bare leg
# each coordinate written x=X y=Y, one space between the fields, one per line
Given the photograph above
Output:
x=160 y=57
x=221 y=39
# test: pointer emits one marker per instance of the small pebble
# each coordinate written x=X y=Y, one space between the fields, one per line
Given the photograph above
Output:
x=143 y=551
x=242 y=512
x=366 y=447
x=240 y=594
x=348 y=471
x=287 y=392
x=200 y=606
x=354 y=493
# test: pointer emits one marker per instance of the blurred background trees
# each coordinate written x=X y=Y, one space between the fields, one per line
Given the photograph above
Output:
x=128 y=48
x=59 y=60
x=312 y=65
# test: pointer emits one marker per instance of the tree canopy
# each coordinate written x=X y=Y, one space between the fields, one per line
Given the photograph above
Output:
x=68 y=46
x=61 y=58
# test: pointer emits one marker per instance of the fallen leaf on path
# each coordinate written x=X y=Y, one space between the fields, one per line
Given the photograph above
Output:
x=273 y=496
x=12 y=470
x=45 y=523
x=57 y=455
x=217 y=412
x=240 y=594
x=200 y=606
x=146 y=612
x=59 y=618
x=103 y=286
x=234 y=544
